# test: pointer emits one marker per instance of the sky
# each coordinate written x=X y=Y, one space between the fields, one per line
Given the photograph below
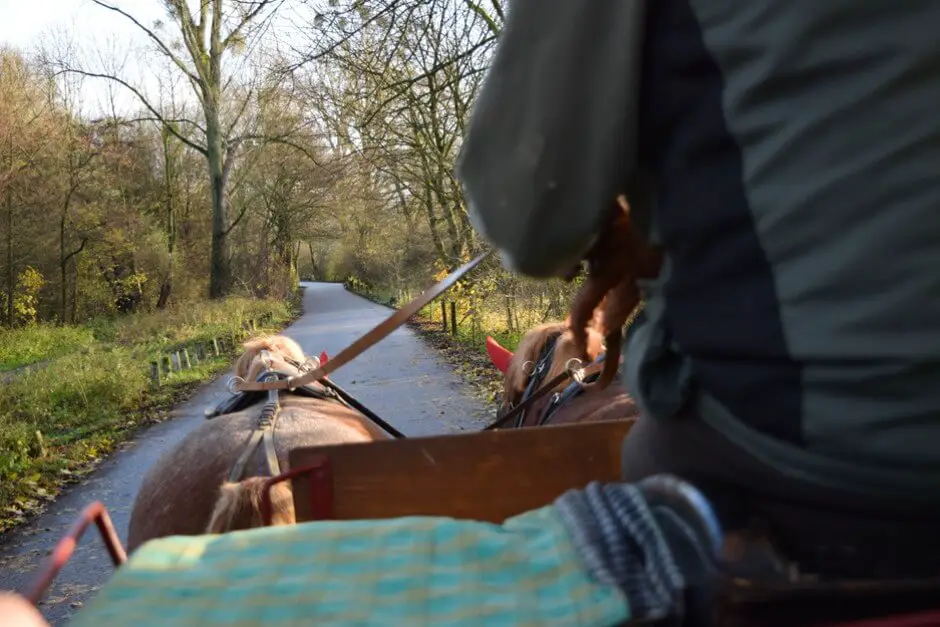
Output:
x=28 y=24
x=100 y=36
x=24 y=21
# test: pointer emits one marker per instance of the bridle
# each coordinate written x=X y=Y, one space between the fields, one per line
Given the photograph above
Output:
x=574 y=370
x=573 y=389
x=537 y=371
x=579 y=377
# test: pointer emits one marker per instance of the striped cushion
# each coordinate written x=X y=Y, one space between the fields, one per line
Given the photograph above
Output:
x=404 y=571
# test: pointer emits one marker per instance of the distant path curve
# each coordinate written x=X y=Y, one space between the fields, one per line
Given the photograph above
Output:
x=402 y=379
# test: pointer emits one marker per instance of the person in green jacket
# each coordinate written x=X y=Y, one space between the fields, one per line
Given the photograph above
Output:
x=786 y=158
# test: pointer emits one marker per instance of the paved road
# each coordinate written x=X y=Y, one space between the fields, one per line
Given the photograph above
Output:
x=401 y=379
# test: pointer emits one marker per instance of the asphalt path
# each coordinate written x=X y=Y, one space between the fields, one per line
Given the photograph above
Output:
x=402 y=379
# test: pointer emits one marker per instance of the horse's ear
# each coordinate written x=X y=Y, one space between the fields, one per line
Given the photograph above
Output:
x=323 y=359
x=500 y=356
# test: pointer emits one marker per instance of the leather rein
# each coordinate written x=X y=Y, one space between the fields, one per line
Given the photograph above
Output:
x=310 y=371
x=574 y=370
x=367 y=341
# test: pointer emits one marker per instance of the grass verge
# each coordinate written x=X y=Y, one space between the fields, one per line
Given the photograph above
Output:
x=58 y=421
x=40 y=342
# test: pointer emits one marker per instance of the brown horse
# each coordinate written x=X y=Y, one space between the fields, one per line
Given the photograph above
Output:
x=187 y=492
x=519 y=368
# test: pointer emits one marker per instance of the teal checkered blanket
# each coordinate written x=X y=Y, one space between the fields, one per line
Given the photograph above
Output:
x=531 y=570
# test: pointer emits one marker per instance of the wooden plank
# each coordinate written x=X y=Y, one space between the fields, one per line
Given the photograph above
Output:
x=489 y=475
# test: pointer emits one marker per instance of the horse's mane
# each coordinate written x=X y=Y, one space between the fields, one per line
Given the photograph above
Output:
x=530 y=348
x=248 y=369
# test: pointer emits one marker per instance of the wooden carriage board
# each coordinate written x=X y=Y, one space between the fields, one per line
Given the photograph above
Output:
x=486 y=476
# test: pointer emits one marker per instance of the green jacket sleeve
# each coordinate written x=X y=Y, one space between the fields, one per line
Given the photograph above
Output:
x=552 y=135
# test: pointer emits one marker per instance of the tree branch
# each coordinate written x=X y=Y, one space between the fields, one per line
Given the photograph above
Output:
x=486 y=17
x=76 y=251
x=143 y=101
x=250 y=15
x=237 y=220
x=163 y=121
x=241 y=112
x=194 y=39
x=153 y=36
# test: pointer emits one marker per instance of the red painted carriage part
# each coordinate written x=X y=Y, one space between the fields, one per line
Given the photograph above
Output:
x=501 y=357
x=920 y=619
x=93 y=513
x=321 y=490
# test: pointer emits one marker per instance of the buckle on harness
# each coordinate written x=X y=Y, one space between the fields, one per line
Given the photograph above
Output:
x=233 y=385
x=576 y=372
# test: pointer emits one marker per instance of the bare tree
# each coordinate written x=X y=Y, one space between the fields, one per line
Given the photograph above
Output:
x=25 y=124
x=200 y=44
x=398 y=79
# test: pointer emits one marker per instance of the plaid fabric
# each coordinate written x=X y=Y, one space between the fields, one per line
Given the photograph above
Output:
x=620 y=544
x=406 y=571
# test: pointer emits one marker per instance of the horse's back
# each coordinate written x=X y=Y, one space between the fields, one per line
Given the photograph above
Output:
x=180 y=489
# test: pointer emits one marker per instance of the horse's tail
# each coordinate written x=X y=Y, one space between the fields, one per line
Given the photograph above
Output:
x=239 y=506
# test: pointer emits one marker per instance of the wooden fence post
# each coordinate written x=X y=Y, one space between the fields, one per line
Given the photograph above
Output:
x=186 y=360
x=444 y=315
x=155 y=373
x=453 y=318
x=215 y=346
x=179 y=361
x=41 y=444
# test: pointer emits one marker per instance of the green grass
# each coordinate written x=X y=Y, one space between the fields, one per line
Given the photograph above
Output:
x=40 y=342
x=58 y=420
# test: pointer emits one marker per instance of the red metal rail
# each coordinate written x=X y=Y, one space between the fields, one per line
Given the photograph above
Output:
x=920 y=619
x=93 y=513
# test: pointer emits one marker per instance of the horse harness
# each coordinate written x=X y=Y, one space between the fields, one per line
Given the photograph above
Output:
x=267 y=421
x=539 y=370
x=535 y=389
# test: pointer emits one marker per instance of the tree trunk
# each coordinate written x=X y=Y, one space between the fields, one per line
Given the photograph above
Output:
x=507 y=301
x=432 y=224
x=63 y=268
x=74 y=313
x=220 y=272
x=314 y=268
x=11 y=275
x=166 y=287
